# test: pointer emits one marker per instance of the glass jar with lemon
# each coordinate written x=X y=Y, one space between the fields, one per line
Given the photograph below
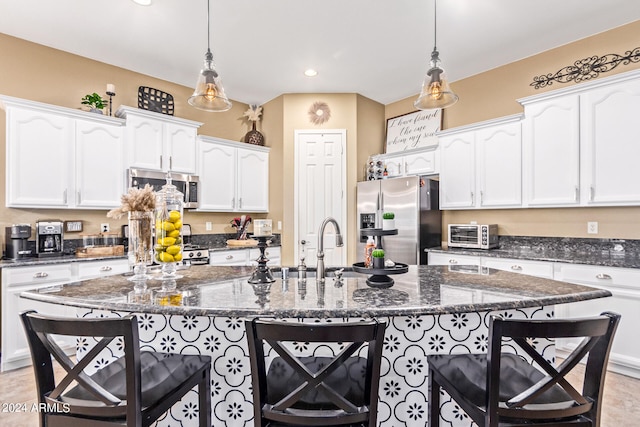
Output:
x=168 y=229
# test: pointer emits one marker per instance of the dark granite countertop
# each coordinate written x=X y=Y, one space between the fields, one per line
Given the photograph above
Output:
x=225 y=291
x=603 y=252
x=26 y=262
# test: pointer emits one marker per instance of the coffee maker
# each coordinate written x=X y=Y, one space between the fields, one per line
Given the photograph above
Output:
x=49 y=238
x=16 y=238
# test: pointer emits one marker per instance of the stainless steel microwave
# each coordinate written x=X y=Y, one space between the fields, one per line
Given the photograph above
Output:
x=185 y=183
x=474 y=236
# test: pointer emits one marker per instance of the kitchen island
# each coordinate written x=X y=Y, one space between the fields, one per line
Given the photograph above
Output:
x=430 y=309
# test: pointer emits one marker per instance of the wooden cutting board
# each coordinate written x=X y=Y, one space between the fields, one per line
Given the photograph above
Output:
x=247 y=242
x=97 y=251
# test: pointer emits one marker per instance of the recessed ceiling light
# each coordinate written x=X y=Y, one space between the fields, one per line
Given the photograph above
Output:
x=142 y=2
x=310 y=72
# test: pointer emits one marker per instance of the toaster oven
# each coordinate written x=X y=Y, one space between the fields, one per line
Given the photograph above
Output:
x=473 y=236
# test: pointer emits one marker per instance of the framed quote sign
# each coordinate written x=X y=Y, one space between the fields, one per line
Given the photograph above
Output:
x=413 y=130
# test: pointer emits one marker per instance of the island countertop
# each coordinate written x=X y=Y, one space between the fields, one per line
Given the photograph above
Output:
x=225 y=291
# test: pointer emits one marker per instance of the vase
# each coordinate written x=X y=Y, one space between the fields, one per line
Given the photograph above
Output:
x=378 y=263
x=254 y=137
x=168 y=232
x=140 y=244
x=388 y=224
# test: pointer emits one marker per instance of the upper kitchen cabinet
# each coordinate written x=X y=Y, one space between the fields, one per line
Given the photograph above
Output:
x=234 y=176
x=78 y=153
x=422 y=161
x=581 y=144
x=159 y=142
x=610 y=138
x=480 y=165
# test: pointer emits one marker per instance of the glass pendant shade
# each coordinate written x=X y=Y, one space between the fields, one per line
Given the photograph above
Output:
x=436 y=92
x=209 y=94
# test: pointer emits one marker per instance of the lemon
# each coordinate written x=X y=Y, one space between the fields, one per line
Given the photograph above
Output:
x=165 y=257
x=174 y=249
x=174 y=233
x=168 y=226
x=159 y=248
x=167 y=241
x=178 y=241
x=178 y=224
x=174 y=216
x=177 y=257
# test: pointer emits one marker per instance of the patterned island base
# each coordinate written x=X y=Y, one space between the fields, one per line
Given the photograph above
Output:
x=403 y=385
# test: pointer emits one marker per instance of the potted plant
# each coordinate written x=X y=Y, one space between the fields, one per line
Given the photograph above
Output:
x=95 y=102
x=388 y=221
x=378 y=258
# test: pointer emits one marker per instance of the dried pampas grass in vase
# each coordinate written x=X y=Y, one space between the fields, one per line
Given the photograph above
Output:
x=138 y=204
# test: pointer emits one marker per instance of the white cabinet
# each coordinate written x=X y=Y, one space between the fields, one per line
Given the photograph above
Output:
x=234 y=177
x=15 y=280
x=551 y=152
x=623 y=283
x=611 y=144
x=581 y=144
x=531 y=268
x=480 y=165
x=457 y=171
x=244 y=257
x=158 y=141
x=99 y=171
x=77 y=156
x=424 y=161
x=435 y=258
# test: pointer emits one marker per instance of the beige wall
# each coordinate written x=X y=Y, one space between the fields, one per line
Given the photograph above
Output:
x=363 y=120
x=494 y=94
x=39 y=73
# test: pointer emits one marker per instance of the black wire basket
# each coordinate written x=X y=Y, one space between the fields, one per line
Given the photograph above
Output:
x=155 y=100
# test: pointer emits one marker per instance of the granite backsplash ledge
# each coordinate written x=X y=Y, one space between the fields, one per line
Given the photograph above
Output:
x=568 y=244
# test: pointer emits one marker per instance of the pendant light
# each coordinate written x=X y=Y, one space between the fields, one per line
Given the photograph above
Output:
x=209 y=94
x=436 y=92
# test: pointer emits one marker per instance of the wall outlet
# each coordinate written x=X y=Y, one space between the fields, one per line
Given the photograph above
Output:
x=104 y=228
x=279 y=225
x=208 y=226
x=592 y=227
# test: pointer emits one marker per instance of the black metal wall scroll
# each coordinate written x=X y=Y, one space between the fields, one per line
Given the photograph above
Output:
x=587 y=68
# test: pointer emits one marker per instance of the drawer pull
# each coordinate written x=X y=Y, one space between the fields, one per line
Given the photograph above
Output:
x=229 y=257
x=603 y=276
x=106 y=268
x=453 y=261
x=516 y=268
x=40 y=275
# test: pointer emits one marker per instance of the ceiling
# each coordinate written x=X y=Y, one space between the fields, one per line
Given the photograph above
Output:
x=377 y=48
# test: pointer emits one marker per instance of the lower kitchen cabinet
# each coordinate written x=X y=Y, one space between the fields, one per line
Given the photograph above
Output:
x=15 y=280
x=624 y=284
x=244 y=256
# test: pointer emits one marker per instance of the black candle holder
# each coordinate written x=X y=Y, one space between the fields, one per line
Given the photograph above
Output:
x=111 y=94
x=262 y=273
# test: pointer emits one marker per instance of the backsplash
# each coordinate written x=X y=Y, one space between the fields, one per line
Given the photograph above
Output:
x=568 y=244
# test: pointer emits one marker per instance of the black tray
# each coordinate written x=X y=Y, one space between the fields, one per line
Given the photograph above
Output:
x=380 y=276
x=378 y=232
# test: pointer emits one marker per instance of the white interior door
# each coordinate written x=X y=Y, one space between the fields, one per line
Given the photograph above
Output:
x=320 y=191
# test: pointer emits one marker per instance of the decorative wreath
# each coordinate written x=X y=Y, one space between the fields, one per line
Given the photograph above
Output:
x=319 y=113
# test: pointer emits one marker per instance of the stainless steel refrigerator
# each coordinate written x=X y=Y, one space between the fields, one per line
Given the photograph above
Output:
x=414 y=201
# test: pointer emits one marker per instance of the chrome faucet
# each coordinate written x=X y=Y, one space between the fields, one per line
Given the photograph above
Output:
x=320 y=271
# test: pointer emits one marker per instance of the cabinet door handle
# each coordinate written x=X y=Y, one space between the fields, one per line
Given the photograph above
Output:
x=576 y=194
x=229 y=257
x=453 y=261
x=516 y=268
x=78 y=198
x=64 y=197
x=591 y=193
x=240 y=203
x=170 y=163
x=481 y=197
x=472 y=200
x=233 y=203
x=603 y=276
x=406 y=167
x=40 y=275
x=106 y=268
x=160 y=161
